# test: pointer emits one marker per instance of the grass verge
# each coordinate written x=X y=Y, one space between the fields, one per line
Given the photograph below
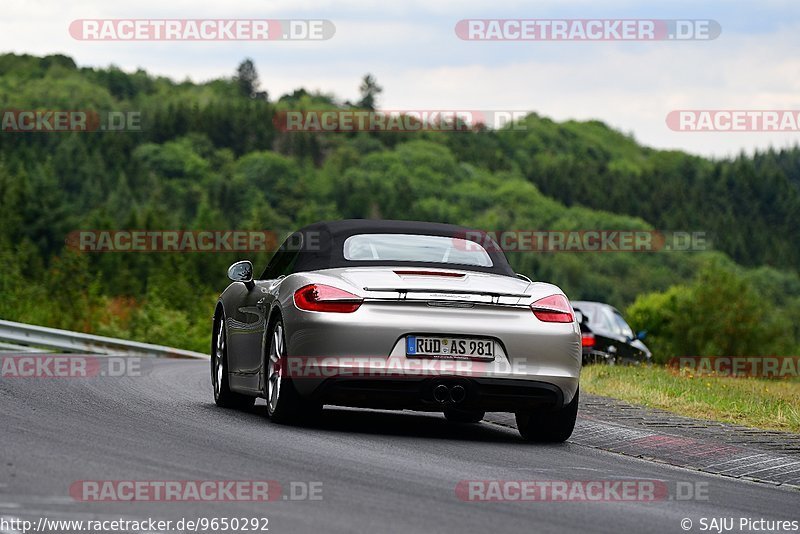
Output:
x=755 y=402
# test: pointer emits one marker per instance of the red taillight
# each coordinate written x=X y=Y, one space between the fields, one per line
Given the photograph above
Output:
x=553 y=309
x=322 y=298
x=587 y=340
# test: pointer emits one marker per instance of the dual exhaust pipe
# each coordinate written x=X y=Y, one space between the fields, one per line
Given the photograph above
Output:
x=454 y=394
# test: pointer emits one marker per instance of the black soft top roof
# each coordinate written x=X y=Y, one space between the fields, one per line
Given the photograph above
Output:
x=321 y=246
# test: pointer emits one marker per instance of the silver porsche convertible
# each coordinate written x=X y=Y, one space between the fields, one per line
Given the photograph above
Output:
x=397 y=315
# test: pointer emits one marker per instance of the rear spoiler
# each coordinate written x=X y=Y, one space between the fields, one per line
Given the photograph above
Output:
x=445 y=291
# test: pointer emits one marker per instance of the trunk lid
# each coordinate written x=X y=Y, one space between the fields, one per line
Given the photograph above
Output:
x=435 y=285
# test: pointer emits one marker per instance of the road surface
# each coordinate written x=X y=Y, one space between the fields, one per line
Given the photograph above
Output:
x=379 y=471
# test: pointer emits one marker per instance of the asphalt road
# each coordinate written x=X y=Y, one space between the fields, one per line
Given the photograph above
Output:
x=380 y=471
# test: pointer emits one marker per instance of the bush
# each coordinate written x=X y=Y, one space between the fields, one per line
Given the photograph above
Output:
x=718 y=314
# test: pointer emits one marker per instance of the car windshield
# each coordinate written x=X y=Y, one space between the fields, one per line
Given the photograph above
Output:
x=597 y=317
x=415 y=248
x=621 y=326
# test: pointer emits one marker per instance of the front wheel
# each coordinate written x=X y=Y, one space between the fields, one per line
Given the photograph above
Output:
x=548 y=427
x=284 y=403
x=223 y=396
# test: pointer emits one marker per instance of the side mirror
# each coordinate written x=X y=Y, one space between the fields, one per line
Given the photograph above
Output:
x=242 y=271
x=579 y=316
x=641 y=335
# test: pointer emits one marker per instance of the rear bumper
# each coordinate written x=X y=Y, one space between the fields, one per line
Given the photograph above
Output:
x=528 y=350
x=488 y=394
x=536 y=363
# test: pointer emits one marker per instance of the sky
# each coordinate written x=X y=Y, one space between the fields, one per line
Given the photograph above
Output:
x=412 y=49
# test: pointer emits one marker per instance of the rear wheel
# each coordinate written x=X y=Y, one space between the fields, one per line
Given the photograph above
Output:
x=454 y=415
x=284 y=403
x=223 y=395
x=548 y=427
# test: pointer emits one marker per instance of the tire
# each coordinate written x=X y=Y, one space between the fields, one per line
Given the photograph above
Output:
x=455 y=415
x=550 y=426
x=284 y=403
x=223 y=396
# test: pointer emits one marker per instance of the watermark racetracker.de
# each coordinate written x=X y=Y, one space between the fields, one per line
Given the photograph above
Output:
x=68 y=366
x=734 y=120
x=597 y=240
x=737 y=366
x=587 y=29
x=136 y=240
x=194 y=491
x=50 y=120
x=450 y=363
x=598 y=491
x=397 y=120
x=201 y=29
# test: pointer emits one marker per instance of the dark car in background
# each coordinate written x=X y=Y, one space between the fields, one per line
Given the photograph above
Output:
x=606 y=337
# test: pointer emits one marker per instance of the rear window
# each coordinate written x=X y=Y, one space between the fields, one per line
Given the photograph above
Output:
x=415 y=248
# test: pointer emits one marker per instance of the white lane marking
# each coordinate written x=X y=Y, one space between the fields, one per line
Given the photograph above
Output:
x=749 y=466
x=791 y=471
x=735 y=460
x=790 y=464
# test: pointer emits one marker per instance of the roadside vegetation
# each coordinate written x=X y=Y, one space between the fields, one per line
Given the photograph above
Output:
x=755 y=402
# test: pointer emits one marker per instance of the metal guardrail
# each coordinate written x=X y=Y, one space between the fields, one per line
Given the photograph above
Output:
x=8 y=347
x=66 y=340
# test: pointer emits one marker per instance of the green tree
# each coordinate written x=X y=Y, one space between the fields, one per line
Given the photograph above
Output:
x=247 y=80
x=369 y=90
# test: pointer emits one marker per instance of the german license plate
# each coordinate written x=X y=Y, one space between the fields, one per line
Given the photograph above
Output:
x=470 y=348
